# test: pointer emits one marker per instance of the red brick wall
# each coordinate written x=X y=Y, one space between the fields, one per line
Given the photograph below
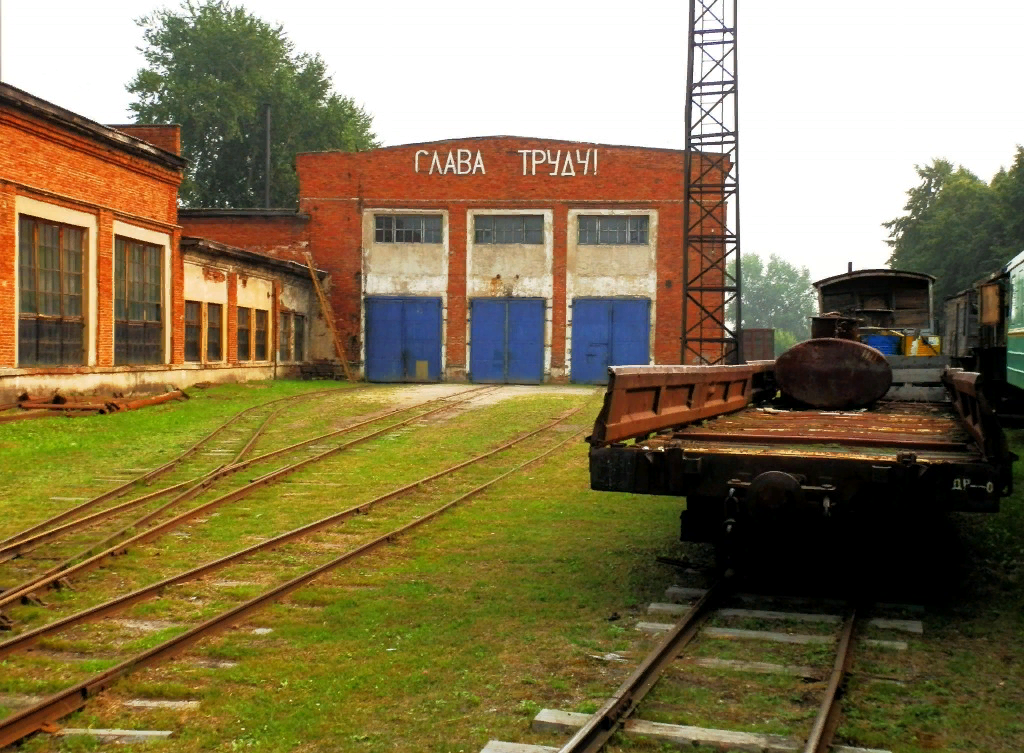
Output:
x=335 y=186
x=42 y=161
x=280 y=237
x=166 y=137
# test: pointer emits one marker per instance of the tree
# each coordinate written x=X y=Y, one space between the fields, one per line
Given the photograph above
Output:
x=213 y=68
x=777 y=295
x=957 y=227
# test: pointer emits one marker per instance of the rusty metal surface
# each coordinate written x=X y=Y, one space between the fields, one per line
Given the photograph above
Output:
x=977 y=415
x=644 y=399
x=827 y=720
x=844 y=327
x=917 y=426
x=832 y=373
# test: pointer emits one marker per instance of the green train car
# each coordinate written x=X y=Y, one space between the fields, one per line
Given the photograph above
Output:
x=983 y=331
x=1014 y=281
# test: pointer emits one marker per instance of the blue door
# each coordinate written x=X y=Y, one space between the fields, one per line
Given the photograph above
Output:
x=403 y=339
x=506 y=340
x=608 y=332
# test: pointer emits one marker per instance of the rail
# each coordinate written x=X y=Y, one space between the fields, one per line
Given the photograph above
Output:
x=73 y=566
x=37 y=717
x=645 y=399
x=592 y=736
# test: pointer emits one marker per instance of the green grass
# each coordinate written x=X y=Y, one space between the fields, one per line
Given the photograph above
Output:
x=460 y=631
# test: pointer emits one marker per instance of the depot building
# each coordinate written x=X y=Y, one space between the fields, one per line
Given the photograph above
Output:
x=495 y=259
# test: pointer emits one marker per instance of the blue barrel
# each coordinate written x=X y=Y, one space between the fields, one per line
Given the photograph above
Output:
x=888 y=345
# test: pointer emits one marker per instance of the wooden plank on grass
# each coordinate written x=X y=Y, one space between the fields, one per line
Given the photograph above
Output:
x=567 y=722
x=907 y=626
x=499 y=746
x=757 y=667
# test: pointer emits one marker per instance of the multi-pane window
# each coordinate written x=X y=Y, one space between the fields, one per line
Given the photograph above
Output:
x=193 y=331
x=51 y=328
x=138 y=320
x=243 y=331
x=284 y=337
x=407 y=228
x=213 y=339
x=299 y=336
x=514 y=228
x=260 y=338
x=618 y=230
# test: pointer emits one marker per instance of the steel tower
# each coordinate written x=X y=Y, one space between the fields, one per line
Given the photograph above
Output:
x=711 y=216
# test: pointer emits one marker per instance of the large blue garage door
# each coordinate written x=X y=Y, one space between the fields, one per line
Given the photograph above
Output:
x=608 y=332
x=403 y=339
x=506 y=340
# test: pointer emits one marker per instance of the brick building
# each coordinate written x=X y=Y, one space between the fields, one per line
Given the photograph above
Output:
x=98 y=290
x=495 y=259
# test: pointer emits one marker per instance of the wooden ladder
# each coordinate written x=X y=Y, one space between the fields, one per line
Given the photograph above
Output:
x=328 y=312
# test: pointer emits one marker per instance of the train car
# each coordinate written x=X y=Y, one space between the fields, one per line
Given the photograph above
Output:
x=984 y=331
x=1014 y=309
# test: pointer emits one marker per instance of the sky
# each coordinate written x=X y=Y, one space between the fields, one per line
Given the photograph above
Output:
x=839 y=99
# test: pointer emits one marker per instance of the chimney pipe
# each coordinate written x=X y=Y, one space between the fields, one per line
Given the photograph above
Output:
x=849 y=266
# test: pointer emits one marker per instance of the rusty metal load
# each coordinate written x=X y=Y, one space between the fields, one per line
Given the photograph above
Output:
x=833 y=374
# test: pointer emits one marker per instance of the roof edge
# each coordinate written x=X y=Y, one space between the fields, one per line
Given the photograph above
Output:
x=40 y=108
x=216 y=247
x=883 y=272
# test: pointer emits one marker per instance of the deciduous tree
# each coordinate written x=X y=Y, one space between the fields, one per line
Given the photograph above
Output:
x=777 y=295
x=957 y=227
x=213 y=68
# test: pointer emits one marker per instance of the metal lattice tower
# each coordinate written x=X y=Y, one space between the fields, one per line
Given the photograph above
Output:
x=711 y=217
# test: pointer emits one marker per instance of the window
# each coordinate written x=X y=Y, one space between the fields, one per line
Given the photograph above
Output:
x=496 y=228
x=407 y=228
x=299 y=336
x=260 y=348
x=620 y=230
x=193 y=331
x=213 y=340
x=51 y=329
x=138 y=321
x=284 y=337
x=244 y=314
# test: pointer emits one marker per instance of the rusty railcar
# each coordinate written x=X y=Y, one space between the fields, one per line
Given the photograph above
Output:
x=882 y=298
x=715 y=435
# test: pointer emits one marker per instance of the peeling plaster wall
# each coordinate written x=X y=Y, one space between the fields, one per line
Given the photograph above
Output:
x=135 y=379
x=404 y=269
x=610 y=271
x=505 y=270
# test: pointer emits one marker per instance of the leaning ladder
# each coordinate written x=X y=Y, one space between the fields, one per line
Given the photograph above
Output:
x=328 y=312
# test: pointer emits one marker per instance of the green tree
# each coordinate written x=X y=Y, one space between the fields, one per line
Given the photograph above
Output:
x=956 y=226
x=777 y=295
x=213 y=68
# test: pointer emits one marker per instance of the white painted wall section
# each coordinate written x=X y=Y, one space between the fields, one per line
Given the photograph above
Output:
x=610 y=271
x=504 y=270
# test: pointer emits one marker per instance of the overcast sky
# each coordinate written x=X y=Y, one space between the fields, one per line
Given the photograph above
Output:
x=839 y=99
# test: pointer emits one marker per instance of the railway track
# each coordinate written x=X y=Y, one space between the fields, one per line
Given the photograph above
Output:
x=419 y=505
x=77 y=512
x=148 y=527
x=591 y=733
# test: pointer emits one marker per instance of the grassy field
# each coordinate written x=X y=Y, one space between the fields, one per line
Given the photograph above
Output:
x=459 y=632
